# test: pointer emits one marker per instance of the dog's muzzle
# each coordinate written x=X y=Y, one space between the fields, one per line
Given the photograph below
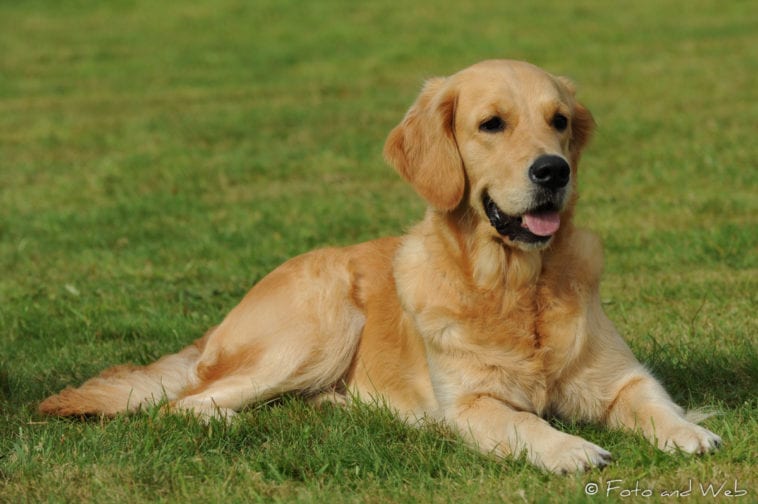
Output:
x=550 y=175
x=536 y=226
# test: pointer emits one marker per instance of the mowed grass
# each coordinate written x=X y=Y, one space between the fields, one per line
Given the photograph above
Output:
x=158 y=158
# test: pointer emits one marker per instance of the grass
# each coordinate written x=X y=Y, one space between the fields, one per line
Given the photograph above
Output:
x=158 y=158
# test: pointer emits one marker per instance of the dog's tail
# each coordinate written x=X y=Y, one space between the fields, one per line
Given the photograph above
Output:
x=128 y=388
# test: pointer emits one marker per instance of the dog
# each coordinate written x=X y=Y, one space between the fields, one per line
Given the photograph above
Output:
x=485 y=316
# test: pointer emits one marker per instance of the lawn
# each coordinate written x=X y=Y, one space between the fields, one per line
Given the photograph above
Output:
x=158 y=158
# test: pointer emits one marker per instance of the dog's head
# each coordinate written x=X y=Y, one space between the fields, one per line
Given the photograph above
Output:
x=501 y=137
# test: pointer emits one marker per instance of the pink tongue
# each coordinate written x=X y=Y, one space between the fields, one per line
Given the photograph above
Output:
x=542 y=224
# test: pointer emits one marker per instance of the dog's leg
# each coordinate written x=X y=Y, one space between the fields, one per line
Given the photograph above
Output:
x=494 y=427
x=642 y=404
x=222 y=398
x=296 y=331
x=633 y=398
x=612 y=387
x=229 y=382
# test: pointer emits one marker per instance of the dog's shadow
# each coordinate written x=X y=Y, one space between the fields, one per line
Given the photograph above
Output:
x=707 y=379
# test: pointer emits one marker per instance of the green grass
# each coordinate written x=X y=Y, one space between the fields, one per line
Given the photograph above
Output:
x=158 y=158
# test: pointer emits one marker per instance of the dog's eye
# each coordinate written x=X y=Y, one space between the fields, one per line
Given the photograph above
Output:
x=560 y=122
x=494 y=124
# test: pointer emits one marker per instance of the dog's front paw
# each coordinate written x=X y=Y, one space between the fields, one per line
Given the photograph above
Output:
x=574 y=454
x=689 y=438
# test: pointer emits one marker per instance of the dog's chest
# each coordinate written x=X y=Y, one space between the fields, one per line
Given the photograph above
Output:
x=507 y=320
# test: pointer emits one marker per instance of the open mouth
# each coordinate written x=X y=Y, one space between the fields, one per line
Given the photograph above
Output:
x=535 y=226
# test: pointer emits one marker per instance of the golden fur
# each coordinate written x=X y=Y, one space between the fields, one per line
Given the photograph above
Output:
x=455 y=320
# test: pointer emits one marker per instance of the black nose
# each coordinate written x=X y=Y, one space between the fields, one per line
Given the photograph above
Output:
x=550 y=172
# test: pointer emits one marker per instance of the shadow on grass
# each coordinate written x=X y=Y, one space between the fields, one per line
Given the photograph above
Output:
x=703 y=378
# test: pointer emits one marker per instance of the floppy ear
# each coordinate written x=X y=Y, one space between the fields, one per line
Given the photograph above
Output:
x=582 y=122
x=582 y=127
x=423 y=150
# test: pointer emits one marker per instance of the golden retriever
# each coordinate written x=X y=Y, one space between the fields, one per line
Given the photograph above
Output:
x=485 y=315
